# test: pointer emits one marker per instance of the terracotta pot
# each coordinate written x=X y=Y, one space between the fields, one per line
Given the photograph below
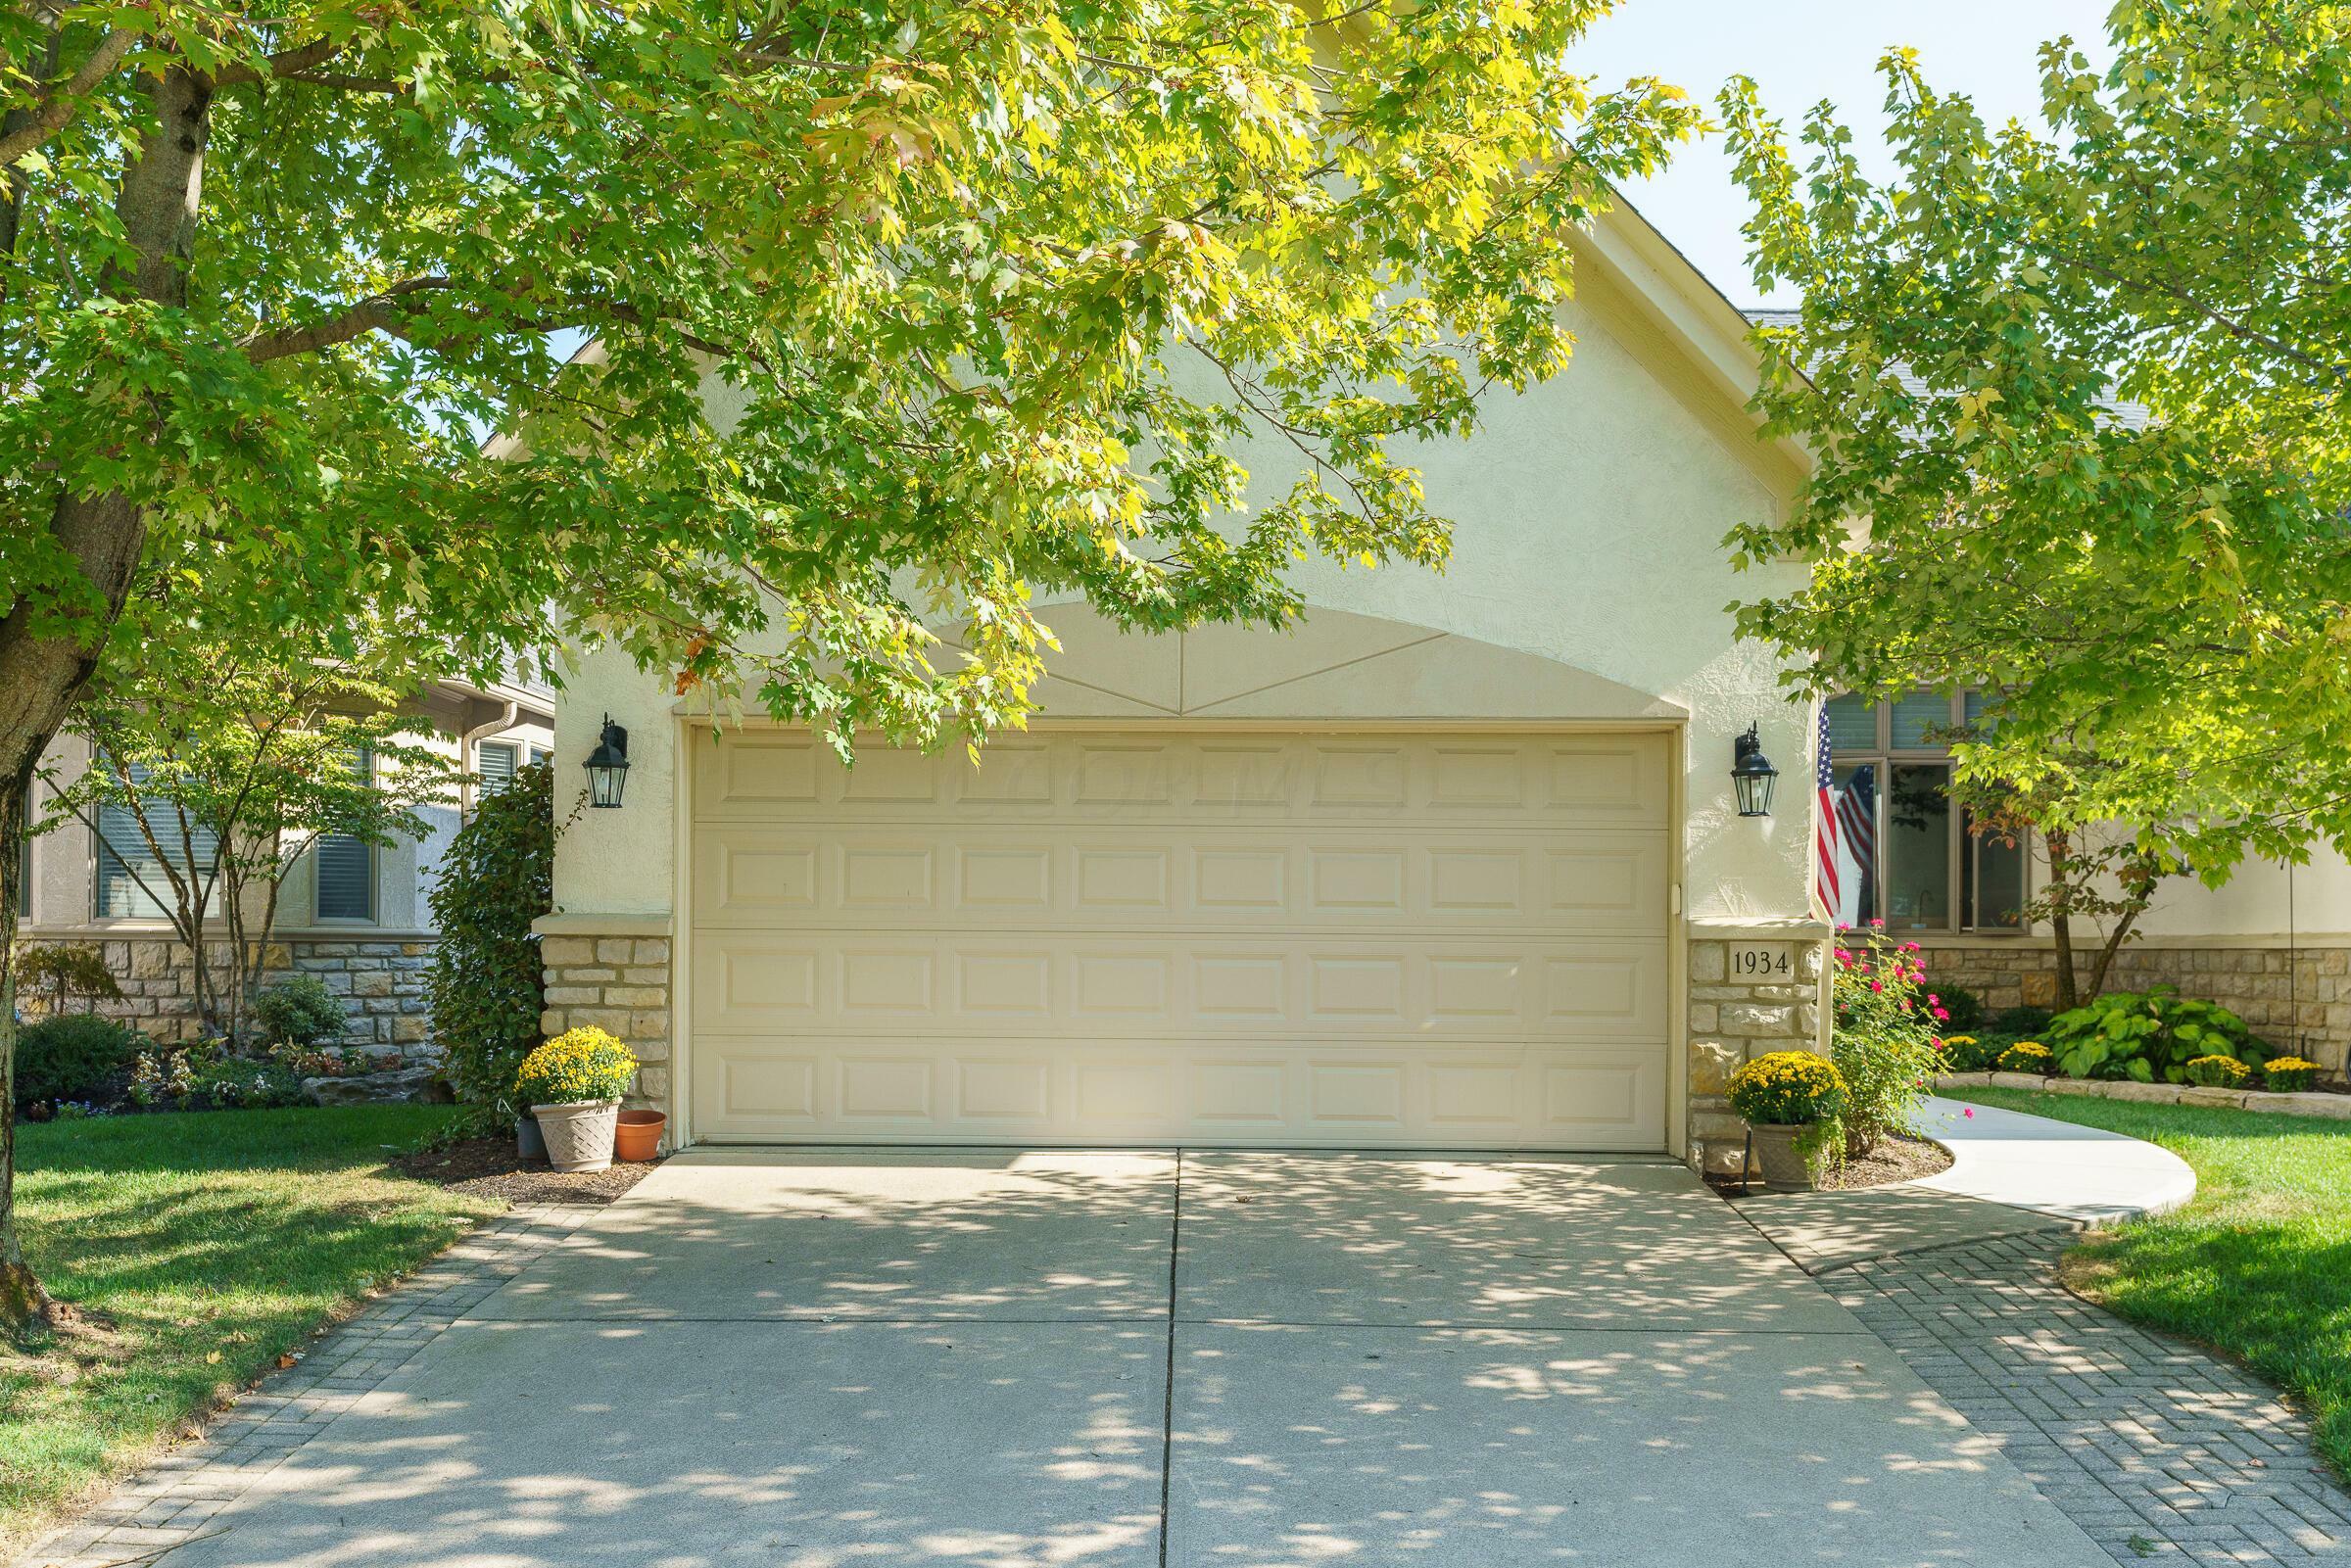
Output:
x=637 y=1137
x=528 y=1145
x=579 y=1135
x=1783 y=1167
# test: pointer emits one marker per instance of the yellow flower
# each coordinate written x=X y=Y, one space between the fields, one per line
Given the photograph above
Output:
x=579 y=1064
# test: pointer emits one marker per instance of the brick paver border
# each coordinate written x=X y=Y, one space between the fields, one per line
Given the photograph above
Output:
x=2156 y=1448
x=173 y=1500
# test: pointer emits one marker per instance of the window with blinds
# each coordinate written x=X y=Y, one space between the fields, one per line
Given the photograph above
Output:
x=494 y=761
x=346 y=866
x=130 y=881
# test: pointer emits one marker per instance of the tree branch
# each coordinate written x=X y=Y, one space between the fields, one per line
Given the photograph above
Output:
x=62 y=102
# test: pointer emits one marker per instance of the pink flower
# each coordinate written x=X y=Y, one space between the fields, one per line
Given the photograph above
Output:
x=1877 y=925
x=1932 y=1000
x=1969 y=1112
x=1943 y=1016
x=1877 y=985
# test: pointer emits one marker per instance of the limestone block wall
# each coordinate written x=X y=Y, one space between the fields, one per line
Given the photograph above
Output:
x=617 y=982
x=1752 y=989
x=382 y=985
x=2297 y=998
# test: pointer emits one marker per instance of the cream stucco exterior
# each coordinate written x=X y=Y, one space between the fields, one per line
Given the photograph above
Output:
x=1586 y=590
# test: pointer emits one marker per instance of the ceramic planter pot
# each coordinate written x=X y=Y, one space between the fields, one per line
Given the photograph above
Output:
x=528 y=1145
x=1783 y=1167
x=579 y=1135
x=637 y=1137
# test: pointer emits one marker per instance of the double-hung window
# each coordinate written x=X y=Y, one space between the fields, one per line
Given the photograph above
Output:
x=1909 y=857
x=345 y=866
x=130 y=881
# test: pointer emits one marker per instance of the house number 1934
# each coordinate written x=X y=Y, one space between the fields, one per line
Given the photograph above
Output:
x=1762 y=961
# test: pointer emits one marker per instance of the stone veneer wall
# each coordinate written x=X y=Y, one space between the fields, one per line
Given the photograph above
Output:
x=619 y=984
x=382 y=984
x=2298 y=999
x=1732 y=1020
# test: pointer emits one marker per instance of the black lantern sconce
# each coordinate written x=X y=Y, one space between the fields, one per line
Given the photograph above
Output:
x=608 y=767
x=1752 y=774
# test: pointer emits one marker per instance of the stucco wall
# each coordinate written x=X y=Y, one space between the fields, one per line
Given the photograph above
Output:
x=1589 y=518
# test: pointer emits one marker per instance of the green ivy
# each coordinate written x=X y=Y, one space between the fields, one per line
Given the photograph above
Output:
x=498 y=878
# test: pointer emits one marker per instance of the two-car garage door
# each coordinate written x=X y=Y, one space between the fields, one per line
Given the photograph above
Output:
x=1405 y=939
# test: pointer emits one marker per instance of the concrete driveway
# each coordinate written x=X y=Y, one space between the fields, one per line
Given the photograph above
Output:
x=1051 y=1360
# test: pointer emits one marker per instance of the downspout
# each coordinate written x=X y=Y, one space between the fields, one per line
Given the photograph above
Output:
x=504 y=721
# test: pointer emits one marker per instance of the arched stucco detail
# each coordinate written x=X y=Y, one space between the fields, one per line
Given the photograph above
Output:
x=1334 y=665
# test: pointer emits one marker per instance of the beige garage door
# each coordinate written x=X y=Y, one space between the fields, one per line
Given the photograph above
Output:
x=1217 y=939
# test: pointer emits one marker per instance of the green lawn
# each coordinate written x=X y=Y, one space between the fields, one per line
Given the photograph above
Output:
x=203 y=1247
x=2258 y=1265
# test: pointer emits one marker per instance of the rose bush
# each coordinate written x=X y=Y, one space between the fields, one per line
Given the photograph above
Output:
x=1884 y=1035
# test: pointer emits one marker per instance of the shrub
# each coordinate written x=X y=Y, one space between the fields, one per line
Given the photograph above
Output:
x=497 y=876
x=2290 y=1074
x=2147 y=1036
x=300 y=1011
x=78 y=1056
x=1963 y=1008
x=584 y=1063
x=1883 y=1040
x=2026 y=1056
x=237 y=1082
x=1788 y=1088
x=1968 y=1053
x=2218 y=1073
x=2017 y=1023
x=65 y=972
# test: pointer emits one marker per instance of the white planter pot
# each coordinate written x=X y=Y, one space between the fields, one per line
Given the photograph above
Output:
x=1783 y=1165
x=579 y=1136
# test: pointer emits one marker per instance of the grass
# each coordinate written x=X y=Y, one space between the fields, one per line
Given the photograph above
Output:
x=200 y=1249
x=2259 y=1265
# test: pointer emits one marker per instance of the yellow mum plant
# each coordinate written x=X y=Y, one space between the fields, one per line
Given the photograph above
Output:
x=2026 y=1056
x=2218 y=1073
x=1788 y=1088
x=2290 y=1074
x=575 y=1067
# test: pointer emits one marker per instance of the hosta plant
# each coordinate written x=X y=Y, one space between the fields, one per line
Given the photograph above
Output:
x=577 y=1067
x=2147 y=1036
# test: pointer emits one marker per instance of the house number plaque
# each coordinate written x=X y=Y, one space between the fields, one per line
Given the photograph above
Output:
x=1763 y=963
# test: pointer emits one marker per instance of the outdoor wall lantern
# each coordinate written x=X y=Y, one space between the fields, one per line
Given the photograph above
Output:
x=608 y=767
x=1752 y=774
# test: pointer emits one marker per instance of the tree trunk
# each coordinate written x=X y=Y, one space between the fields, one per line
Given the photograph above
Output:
x=2060 y=920
x=41 y=672
x=21 y=1298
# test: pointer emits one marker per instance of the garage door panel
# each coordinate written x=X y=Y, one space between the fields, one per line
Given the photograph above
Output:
x=1602 y=780
x=987 y=876
x=1056 y=986
x=917 y=1090
x=1105 y=937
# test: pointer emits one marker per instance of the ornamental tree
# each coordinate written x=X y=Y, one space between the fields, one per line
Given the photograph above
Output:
x=986 y=291
x=2079 y=404
x=213 y=772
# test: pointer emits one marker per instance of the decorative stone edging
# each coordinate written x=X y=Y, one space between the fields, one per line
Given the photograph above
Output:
x=2335 y=1106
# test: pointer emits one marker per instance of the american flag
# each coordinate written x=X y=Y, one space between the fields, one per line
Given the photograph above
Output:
x=1844 y=837
x=1827 y=886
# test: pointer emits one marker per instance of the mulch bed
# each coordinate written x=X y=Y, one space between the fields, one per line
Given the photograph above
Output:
x=1892 y=1159
x=489 y=1167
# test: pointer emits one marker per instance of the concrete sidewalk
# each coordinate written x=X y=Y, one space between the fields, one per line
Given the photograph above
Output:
x=836 y=1358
